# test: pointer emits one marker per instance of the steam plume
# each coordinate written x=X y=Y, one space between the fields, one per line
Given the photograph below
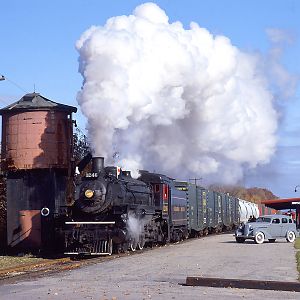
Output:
x=135 y=226
x=179 y=101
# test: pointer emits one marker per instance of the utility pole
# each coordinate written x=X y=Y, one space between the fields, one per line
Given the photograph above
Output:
x=195 y=180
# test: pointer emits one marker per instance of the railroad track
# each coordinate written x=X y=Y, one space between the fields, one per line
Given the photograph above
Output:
x=44 y=268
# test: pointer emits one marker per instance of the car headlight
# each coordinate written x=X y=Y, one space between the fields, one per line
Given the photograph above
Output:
x=89 y=194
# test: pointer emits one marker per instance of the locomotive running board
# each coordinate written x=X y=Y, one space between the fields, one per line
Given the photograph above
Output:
x=243 y=284
x=97 y=223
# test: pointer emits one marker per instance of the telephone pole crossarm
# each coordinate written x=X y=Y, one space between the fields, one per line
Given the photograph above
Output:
x=195 y=180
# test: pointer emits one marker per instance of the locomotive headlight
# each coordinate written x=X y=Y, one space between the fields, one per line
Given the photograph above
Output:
x=89 y=194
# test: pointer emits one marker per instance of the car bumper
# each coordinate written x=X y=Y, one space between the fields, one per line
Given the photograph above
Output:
x=244 y=236
x=251 y=237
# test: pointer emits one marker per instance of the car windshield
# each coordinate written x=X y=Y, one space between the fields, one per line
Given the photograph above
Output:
x=263 y=219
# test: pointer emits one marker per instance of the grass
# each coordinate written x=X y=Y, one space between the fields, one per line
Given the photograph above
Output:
x=298 y=261
x=16 y=261
x=297 y=247
x=297 y=243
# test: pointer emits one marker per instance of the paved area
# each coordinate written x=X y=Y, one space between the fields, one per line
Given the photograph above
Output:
x=160 y=273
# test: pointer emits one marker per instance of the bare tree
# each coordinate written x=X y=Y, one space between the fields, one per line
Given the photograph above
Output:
x=81 y=145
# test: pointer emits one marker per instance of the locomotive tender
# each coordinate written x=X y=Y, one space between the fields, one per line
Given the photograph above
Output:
x=115 y=212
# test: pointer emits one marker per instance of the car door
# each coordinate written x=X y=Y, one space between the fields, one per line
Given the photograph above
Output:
x=275 y=227
x=284 y=226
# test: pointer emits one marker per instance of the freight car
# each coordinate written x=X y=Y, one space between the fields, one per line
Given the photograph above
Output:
x=115 y=212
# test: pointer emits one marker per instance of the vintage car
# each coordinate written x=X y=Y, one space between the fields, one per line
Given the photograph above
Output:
x=269 y=227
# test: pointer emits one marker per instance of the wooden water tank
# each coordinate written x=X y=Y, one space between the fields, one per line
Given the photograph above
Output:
x=36 y=134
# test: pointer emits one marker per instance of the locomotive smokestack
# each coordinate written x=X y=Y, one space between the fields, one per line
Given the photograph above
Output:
x=97 y=164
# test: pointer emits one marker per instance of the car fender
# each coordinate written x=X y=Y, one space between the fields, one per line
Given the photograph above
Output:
x=265 y=232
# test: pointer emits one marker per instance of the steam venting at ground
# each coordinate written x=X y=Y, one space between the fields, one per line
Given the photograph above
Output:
x=174 y=100
x=135 y=226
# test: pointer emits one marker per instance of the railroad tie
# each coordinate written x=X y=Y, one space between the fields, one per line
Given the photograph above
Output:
x=244 y=284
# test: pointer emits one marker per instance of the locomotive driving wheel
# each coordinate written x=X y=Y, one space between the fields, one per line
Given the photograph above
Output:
x=133 y=244
x=141 y=242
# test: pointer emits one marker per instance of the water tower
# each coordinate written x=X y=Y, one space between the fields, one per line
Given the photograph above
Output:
x=37 y=150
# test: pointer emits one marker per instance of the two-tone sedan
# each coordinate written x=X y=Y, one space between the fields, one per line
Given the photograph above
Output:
x=269 y=227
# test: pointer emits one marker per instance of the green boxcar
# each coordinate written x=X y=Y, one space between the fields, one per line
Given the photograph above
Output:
x=235 y=211
x=197 y=199
x=226 y=211
x=197 y=212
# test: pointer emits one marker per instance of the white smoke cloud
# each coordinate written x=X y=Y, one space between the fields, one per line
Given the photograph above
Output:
x=174 y=100
x=277 y=35
x=285 y=82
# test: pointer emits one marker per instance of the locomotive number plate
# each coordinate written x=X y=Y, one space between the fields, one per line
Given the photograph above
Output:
x=91 y=175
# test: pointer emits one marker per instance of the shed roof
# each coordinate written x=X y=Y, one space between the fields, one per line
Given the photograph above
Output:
x=282 y=203
x=35 y=101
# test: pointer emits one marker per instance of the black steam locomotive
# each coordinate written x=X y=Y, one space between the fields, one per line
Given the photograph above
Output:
x=115 y=212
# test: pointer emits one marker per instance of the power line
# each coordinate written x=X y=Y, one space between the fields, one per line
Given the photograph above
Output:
x=2 y=77
x=15 y=84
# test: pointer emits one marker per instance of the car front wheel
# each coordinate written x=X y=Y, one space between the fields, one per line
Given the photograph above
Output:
x=259 y=238
x=290 y=236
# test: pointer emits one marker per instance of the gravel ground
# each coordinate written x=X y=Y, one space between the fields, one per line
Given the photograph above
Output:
x=160 y=273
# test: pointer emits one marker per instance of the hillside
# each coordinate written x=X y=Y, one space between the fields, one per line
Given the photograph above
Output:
x=253 y=194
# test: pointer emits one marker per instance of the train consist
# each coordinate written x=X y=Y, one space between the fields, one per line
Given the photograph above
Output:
x=115 y=212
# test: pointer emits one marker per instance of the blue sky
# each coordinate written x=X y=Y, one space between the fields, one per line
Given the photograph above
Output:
x=37 y=48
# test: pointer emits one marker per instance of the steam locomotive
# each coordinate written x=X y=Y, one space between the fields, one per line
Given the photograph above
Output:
x=115 y=212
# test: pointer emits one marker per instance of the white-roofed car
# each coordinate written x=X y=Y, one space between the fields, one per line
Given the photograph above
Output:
x=268 y=227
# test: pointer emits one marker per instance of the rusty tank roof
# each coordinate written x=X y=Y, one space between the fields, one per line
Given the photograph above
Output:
x=35 y=101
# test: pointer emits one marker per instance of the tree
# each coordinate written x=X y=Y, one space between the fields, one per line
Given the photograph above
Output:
x=81 y=145
x=253 y=194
